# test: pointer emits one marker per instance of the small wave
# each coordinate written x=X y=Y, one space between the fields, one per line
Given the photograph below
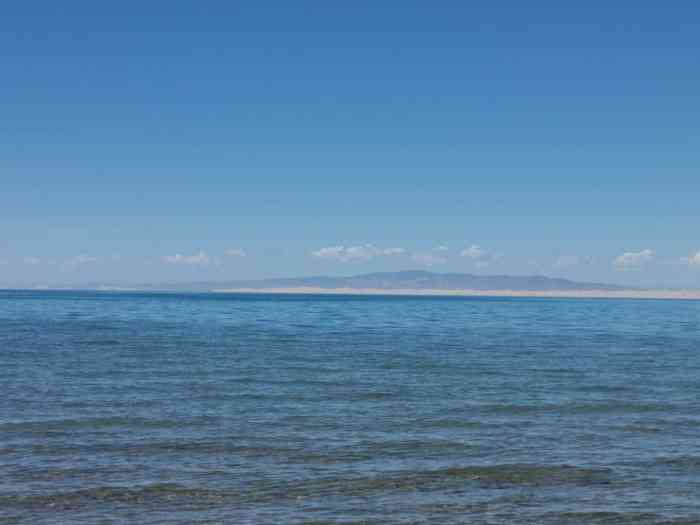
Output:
x=605 y=388
x=344 y=522
x=656 y=425
x=100 y=342
x=531 y=475
x=642 y=428
x=602 y=518
x=57 y=425
x=359 y=452
x=415 y=446
x=679 y=462
x=562 y=371
x=578 y=408
x=303 y=397
x=455 y=508
x=57 y=474
x=451 y=423
x=165 y=492
x=167 y=447
x=389 y=449
x=498 y=476
x=372 y=396
x=684 y=423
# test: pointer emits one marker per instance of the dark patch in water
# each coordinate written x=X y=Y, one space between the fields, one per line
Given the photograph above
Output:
x=500 y=476
x=680 y=462
x=163 y=492
x=367 y=451
x=531 y=475
x=373 y=396
x=602 y=518
x=642 y=429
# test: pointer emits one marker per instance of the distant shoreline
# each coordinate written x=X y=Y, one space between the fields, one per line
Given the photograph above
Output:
x=406 y=283
x=573 y=294
x=688 y=295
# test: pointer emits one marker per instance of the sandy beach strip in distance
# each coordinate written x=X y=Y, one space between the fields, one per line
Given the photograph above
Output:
x=584 y=294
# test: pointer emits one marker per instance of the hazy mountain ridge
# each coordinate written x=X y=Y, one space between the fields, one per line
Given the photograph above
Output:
x=404 y=280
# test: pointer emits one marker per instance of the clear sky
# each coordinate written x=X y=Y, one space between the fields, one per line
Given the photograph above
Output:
x=171 y=140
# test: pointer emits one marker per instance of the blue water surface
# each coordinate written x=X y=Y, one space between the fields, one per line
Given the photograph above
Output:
x=222 y=408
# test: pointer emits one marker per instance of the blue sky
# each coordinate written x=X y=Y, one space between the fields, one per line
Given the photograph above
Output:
x=143 y=141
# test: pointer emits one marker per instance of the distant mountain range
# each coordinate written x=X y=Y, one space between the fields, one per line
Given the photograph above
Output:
x=406 y=280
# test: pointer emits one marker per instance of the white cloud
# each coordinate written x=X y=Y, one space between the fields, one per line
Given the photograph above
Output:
x=80 y=260
x=693 y=260
x=481 y=258
x=474 y=252
x=428 y=259
x=633 y=259
x=200 y=258
x=235 y=252
x=356 y=253
x=32 y=261
x=331 y=252
x=441 y=248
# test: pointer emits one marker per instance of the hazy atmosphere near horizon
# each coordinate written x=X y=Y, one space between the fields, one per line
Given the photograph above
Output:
x=358 y=263
x=180 y=141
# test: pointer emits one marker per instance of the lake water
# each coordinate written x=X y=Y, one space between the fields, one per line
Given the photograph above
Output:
x=176 y=408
